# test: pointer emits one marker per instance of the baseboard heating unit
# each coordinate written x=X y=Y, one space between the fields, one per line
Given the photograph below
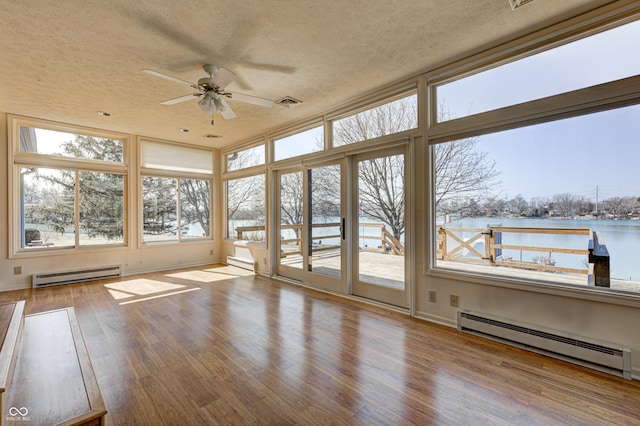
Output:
x=242 y=263
x=47 y=279
x=602 y=356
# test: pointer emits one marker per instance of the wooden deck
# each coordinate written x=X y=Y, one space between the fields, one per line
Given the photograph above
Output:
x=375 y=267
x=216 y=345
x=559 y=277
x=385 y=269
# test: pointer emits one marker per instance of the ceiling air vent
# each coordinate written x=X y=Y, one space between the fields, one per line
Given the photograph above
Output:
x=212 y=136
x=517 y=3
x=288 y=102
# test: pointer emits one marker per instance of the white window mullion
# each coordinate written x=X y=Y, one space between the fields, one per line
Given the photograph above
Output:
x=178 y=210
x=76 y=224
x=602 y=97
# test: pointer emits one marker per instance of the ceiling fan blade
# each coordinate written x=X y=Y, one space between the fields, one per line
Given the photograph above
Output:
x=252 y=100
x=228 y=113
x=168 y=77
x=223 y=77
x=181 y=99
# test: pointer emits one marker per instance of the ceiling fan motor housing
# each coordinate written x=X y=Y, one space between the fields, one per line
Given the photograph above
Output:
x=207 y=83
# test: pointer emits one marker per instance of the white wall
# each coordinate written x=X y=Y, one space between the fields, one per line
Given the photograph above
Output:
x=256 y=252
x=133 y=259
x=608 y=322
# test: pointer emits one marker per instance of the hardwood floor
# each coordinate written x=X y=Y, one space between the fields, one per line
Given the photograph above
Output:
x=214 y=345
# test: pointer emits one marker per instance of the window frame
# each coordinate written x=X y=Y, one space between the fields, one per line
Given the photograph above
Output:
x=180 y=239
x=178 y=175
x=292 y=131
x=225 y=180
x=602 y=97
x=379 y=100
x=260 y=169
x=18 y=160
x=244 y=147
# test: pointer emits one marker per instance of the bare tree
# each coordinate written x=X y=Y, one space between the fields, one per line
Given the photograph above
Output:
x=565 y=204
x=195 y=203
x=387 y=119
x=291 y=199
x=245 y=198
x=325 y=192
x=539 y=206
x=246 y=195
x=518 y=205
x=462 y=171
x=381 y=191
x=617 y=206
x=380 y=180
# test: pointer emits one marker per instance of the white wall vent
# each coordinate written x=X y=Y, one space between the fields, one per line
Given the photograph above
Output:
x=602 y=356
x=518 y=3
x=288 y=102
x=46 y=279
x=242 y=263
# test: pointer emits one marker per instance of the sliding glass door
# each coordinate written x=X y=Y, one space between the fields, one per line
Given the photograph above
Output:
x=361 y=253
x=311 y=225
x=379 y=227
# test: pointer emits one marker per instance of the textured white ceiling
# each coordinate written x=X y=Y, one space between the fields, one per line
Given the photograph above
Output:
x=65 y=60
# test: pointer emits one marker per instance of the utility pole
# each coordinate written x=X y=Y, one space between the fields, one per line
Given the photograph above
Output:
x=597 y=202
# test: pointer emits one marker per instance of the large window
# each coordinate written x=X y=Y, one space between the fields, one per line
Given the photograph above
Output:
x=245 y=190
x=306 y=142
x=557 y=201
x=245 y=158
x=391 y=117
x=246 y=208
x=70 y=145
x=70 y=186
x=604 y=57
x=159 y=209
x=176 y=192
x=175 y=208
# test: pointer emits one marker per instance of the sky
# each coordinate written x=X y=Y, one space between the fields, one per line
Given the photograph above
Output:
x=50 y=141
x=573 y=155
x=299 y=143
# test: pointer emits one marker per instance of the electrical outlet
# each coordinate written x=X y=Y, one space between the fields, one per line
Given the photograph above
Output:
x=453 y=300
x=211 y=252
x=432 y=297
x=17 y=270
x=264 y=260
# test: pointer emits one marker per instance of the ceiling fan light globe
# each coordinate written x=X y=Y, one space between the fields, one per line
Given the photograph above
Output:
x=205 y=104
x=220 y=108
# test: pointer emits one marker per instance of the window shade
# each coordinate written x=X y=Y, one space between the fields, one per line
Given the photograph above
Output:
x=156 y=155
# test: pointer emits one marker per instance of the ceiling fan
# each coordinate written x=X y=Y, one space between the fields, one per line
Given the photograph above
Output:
x=211 y=91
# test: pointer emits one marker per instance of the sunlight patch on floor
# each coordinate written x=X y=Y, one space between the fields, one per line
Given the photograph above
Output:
x=134 y=289
x=212 y=274
x=142 y=286
x=173 y=293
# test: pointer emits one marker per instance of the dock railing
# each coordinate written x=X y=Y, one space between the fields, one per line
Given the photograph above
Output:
x=599 y=269
x=371 y=231
x=466 y=249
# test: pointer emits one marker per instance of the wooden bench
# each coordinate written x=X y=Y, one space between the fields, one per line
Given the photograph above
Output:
x=53 y=381
x=10 y=329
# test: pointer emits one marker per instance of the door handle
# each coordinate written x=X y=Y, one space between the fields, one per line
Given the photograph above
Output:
x=342 y=229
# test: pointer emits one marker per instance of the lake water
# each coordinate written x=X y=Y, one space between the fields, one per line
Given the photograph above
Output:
x=622 y=238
